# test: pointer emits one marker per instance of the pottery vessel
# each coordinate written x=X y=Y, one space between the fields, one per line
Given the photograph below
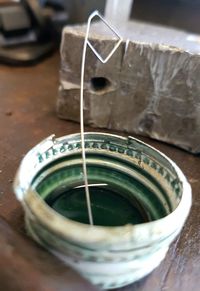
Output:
x=109 y=257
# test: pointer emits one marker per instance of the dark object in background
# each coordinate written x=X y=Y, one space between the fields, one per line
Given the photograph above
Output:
x=27 y=32
x=77 y=11
x=183 y=14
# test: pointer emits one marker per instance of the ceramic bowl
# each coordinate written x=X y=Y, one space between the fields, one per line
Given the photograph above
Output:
x=109 y=256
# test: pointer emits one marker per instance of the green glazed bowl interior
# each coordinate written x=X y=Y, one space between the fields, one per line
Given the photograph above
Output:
x=137 y=187
x=128 y=195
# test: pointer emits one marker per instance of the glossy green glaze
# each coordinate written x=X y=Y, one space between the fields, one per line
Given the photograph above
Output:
x=125 y=199
x=109 y=208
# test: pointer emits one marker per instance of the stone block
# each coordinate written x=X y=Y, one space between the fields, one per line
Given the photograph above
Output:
x=150 y=86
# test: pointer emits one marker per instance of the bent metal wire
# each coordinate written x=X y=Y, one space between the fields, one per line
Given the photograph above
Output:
x=103 y=60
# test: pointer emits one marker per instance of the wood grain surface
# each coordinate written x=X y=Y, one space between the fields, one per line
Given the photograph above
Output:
x=27 y=115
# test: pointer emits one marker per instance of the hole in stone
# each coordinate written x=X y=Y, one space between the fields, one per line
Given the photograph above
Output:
x=99 y=83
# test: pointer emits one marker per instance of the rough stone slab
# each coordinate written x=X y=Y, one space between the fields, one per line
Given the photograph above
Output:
x=151 y=84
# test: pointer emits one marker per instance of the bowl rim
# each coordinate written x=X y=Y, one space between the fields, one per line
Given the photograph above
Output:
x=86 y=234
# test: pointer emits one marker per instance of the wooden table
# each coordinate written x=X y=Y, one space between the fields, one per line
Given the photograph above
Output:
x=27 y=115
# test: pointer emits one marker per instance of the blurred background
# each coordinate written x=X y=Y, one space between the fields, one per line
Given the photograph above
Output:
x=183 y=14
x=31 y=29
